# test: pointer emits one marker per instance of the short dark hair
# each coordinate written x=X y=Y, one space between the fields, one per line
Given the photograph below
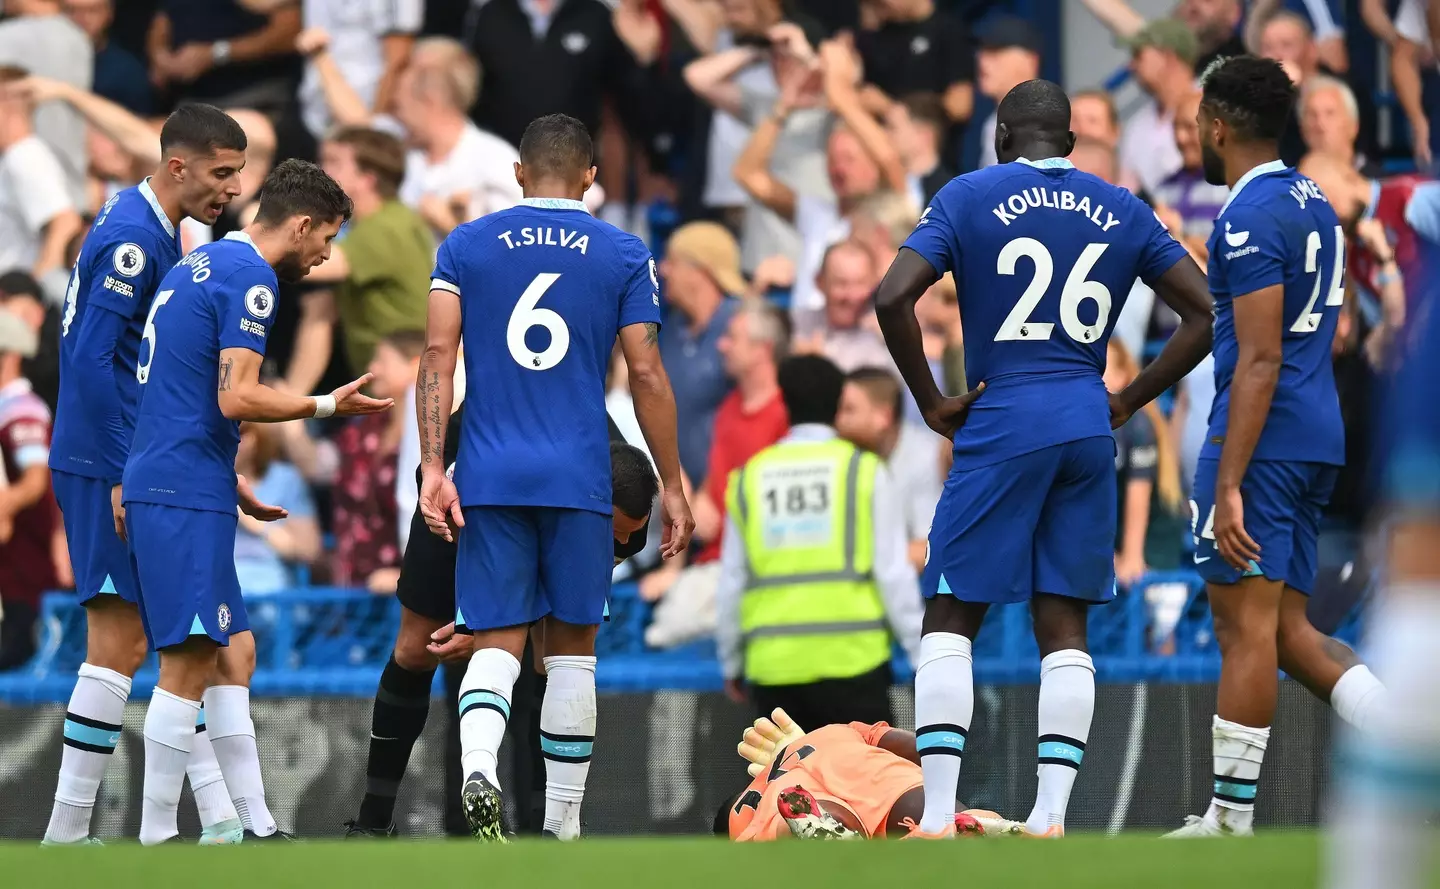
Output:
x=810 y=386
x=201 y=128
x=408 y=341
x=299 y=188
x=18 y=283
x=377 y=153
x=557 y=145
x=880 y=387
x=1252 y=95
x=633 y=482
x=1103 y=96
x=929 y=109
x=1038 y=107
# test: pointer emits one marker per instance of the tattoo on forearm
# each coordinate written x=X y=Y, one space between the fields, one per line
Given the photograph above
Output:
x=652 y=333
x=432 y=449
x=225 y=365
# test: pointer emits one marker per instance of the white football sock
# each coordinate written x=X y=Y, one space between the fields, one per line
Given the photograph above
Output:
x=1239 y=750
x=944 y=703
x=169 y=735
x=567 y=738
x=1356 y=696
x=1067 y=703
x=207 y=782
x=92 y=729
x=232 y=733
x=485 y=695
x=1387 y=776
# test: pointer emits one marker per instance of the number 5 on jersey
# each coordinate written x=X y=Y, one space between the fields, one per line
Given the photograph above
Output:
x=142 y=368
x=526 y=316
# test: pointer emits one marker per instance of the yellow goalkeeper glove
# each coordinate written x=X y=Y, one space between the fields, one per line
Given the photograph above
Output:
x=765 y=737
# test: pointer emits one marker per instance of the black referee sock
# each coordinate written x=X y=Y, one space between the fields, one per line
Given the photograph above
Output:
x=401 y=704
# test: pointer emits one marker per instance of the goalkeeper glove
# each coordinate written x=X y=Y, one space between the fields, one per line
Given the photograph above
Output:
x=765 y=738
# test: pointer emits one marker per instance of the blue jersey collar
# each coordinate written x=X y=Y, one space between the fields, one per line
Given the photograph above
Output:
x=245 y=239
x=1049 y=163
x=1264 y=169
x=149 y=194
x=554 y=204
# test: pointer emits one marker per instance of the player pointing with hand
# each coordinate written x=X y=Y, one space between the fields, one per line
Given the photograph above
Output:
x=540 y=293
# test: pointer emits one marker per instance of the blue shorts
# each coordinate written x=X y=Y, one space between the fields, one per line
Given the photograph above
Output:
x=517 y=564
x=100 y=559
x=185 y=559
x=1283 y=502
x=1043 y=522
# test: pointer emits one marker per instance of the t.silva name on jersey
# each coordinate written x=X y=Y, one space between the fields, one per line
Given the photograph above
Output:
x=546 y=236
x=1054 y=199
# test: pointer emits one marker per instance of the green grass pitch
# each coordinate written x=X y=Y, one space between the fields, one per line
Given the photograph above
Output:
x=1271 y=861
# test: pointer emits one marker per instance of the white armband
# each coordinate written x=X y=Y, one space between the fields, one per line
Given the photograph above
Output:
x=324 y=406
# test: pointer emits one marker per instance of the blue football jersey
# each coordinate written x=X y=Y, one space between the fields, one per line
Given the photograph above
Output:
x=1277 y=228
x=130 y=247
x=220 y=296
x=544 y=289
x=1044 y=257
x=1411 y=429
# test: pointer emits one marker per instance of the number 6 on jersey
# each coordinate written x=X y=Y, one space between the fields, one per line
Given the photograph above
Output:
x=527 y=316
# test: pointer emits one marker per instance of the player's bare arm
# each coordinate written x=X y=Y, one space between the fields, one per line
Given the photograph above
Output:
x=655 y=410
x=243 y=397
x=1258 y=319
x=434 y=399
x=910 y=275
x=1184 y=289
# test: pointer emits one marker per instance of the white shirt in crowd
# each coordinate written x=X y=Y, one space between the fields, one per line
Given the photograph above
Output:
x=1198 y=390
x=1147 y=146
x=821 y=227
x=987 y=143
x=53 y=46
x=915 y=468
x=356 y=28
x=894 y=576
x=32 y=192
x=481 y=165
x=728 y=133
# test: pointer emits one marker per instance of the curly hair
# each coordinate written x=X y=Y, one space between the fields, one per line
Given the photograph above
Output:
x=1252 y=95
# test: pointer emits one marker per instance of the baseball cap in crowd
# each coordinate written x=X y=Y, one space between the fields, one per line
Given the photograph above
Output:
x=710 y=246
x=16 y=337
x=1167 y=35
x=1007 y=31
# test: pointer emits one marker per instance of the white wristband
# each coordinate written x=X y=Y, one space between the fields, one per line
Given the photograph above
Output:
x=324 y=406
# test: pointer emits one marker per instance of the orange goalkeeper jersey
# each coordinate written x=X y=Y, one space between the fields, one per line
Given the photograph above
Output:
x=837 y=762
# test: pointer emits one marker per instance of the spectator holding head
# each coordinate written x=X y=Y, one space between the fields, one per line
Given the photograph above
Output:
x=27 y=508
x=37 y=39
x=918 y=126
x=380 y=270
x=38 y=215
x=1151 y=520
x=1009 y=55
x=119 y=76
x=220 y=52
x=872 y=416
x=918 y=49
x=1162 y=58
x=742 y=84
x=701 y=271
x=268 y=553
x=370 y=45
x=1330 y=122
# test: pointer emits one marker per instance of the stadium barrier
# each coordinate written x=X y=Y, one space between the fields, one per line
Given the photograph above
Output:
x=665 y=761
x=333 y=641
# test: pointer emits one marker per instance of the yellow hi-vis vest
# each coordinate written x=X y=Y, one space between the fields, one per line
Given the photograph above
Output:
x=811 y=609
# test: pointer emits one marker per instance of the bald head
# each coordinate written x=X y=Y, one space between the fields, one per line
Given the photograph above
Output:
x=1033 y=121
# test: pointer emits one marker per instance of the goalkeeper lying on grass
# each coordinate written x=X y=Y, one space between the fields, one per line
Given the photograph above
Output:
x=854 y=781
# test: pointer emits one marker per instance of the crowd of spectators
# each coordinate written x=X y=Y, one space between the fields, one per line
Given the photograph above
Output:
x=775 y=153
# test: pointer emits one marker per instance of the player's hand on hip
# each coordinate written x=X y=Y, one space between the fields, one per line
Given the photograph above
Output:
x=679 y=524
x=117 y=509
x=949 y=415
x=350 y=401
x=440 y=506
x=1233 y=543
x=253 y=506
x=449 y=646
x=1119 y=413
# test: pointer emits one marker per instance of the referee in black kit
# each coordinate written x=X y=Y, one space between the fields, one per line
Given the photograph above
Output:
x=427 y=597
